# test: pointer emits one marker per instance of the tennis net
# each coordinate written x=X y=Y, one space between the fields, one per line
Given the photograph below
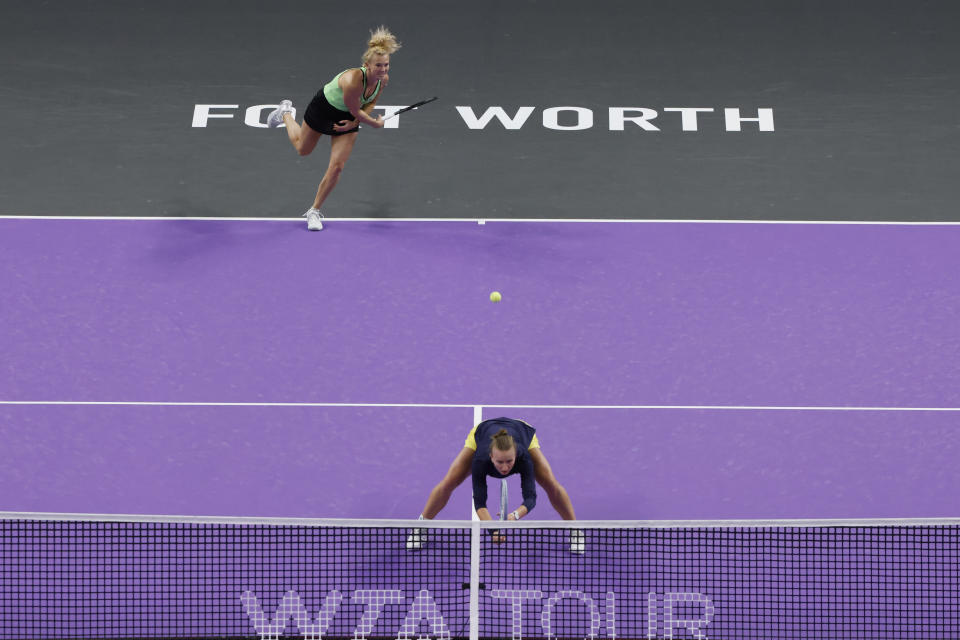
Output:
x=68 y=576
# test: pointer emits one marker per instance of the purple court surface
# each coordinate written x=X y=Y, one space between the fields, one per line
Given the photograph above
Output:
x=726 y=236
x=673 y=370
x=172 y=340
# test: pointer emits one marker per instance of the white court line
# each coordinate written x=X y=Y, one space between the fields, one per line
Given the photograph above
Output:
x=905 y=223
x=473 y=405
x=490 y=524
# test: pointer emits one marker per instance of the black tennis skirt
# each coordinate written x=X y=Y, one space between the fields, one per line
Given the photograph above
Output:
x=321 y=116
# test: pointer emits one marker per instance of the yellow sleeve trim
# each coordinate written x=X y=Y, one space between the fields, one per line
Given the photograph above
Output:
x=471 y=442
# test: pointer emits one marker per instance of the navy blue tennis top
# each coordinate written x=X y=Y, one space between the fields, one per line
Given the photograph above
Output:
x=482 y=465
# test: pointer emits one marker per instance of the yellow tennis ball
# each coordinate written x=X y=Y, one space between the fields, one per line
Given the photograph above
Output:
x=495 y=296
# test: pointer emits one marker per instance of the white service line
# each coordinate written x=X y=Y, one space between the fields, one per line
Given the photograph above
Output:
x=482 y=221
x=475 y=407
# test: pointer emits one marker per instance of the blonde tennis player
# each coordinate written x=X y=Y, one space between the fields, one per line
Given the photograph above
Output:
x=338 y=110
x=500 y=447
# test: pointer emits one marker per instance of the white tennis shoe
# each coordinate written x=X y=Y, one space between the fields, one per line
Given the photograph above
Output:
x=416 y=540
x=314 y=218
x=275 y=119
x=577 y=542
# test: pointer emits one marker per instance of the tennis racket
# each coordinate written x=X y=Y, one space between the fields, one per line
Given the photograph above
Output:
x=503 y=499
x=498 y=534
x=416 y=105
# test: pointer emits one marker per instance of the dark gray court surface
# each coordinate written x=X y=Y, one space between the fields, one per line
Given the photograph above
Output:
x=99 y=101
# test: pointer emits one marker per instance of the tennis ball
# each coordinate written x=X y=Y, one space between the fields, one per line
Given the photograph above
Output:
x=495 y=296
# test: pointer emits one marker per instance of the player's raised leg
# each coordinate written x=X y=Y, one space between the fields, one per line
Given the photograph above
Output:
x=302 y=137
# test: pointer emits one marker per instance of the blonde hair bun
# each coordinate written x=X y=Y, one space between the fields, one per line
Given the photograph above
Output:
x=502 y=441
x=381 y=42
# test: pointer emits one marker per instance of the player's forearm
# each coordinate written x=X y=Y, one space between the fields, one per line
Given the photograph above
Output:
x=364 y=117
x=483 y=513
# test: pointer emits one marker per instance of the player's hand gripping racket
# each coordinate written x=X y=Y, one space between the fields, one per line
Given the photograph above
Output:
x=416 y=105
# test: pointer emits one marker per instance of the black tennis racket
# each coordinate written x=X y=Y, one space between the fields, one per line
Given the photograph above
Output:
x=416 y=105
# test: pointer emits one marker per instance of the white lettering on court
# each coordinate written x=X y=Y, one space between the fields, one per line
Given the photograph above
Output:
x=203 y=112
x=584 y=118
x=618 y=118
x=688 y=116
x=508 y=122
x=764 y=119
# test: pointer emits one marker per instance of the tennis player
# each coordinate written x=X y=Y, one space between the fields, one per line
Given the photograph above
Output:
x=500 y=447
x=338 y=110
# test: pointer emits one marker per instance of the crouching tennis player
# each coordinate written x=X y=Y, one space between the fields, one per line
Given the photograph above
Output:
x=500 y=447
x=338 y=110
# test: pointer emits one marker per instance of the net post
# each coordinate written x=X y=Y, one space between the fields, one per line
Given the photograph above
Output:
x=475 y=580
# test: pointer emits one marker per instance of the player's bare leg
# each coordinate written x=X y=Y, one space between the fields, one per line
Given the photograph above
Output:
x=440 y=495
x=559 y=497
x=302 y=137
x=456 y=474
x=340 y=149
